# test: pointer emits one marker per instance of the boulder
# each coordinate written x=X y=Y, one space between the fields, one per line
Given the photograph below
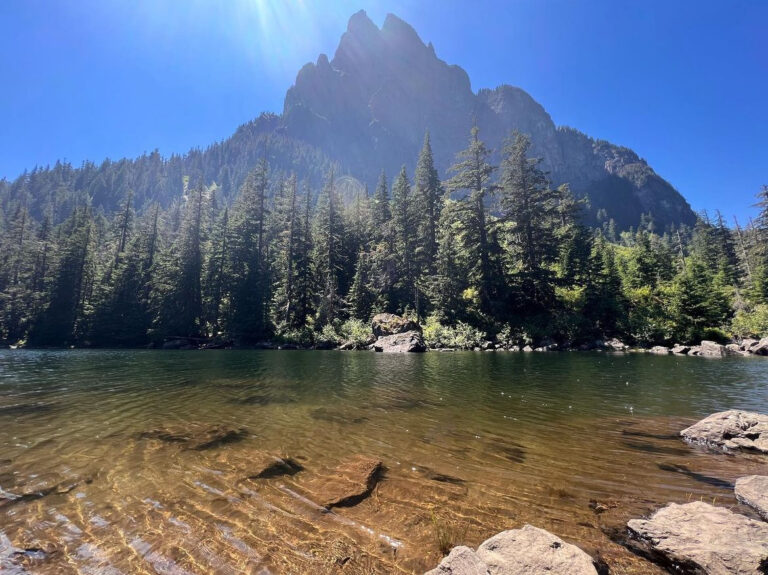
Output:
x=681 y=349
x=384 y=324
x=460 y=561
x=760 y=348
x=700 y=538
x=616 y=345
x=410 y=341
x=731 y=429
x=659 y=349
x=351 y=482
x=527 y=348
x=734 y=349
x=712 y=349
x=747 y=344
x=752 y=490
x=526 y=551
x=695 y=350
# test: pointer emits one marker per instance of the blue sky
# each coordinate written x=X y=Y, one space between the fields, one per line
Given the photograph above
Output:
x=684 y=83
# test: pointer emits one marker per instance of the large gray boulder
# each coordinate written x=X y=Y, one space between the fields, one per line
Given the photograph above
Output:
x=700 y=538
x=731 y=429
x=713 y=349
x=384 y=324
x=526 y=551
x=679 y=349
x=410 y=341
x=752 y=490
x=660 y=350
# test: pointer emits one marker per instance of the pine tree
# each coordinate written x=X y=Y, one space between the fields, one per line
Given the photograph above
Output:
x=250 y=273
x=428 y=203
x=329 y=255
x=403 y=226
x=380 y=212
x=216 y=290
x=531 y=212
x=473 y=174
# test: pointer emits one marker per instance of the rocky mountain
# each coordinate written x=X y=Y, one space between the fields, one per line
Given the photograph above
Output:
x=366 y=110
x=370 y=106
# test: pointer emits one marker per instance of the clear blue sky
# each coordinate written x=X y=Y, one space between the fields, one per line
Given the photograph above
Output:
x=682 y=82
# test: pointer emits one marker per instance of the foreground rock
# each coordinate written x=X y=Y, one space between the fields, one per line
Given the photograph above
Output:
x=713 y=349
x=410 y=341
x=351 y=482
x=384 y=324
x=700 y=538
x=526 y=551
x=760 y=348
x=731 y=429
x=752 y=490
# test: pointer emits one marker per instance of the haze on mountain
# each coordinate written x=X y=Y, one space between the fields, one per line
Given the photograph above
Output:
x=365 y=110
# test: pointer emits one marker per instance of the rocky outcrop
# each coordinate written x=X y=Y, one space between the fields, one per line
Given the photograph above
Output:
x=700 y=538
x=752 y=490
x=384 y=324
x=659 y=350
x=731 y=430
x=679 y=349
x=526 y=551
x=352 y=481
x=760 y=348
x=410 y=341
x=616 y=345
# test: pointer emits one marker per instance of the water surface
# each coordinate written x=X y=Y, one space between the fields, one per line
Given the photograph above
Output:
x=473 y=443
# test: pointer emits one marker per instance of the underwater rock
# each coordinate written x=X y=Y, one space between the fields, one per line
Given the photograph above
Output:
x=352 y=481
x=196 y=437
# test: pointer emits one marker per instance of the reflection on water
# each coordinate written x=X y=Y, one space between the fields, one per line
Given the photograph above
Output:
x=200 y=462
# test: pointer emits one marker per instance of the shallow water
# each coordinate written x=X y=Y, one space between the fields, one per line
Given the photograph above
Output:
x=93 y=479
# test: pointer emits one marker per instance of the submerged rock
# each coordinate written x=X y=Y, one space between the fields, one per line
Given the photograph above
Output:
x=752 y=490
x=731 y=429
x=410 y=341
x=196 y=437
x=526 y=551
x=351 y=482
x=384 y=324
x=700 y=538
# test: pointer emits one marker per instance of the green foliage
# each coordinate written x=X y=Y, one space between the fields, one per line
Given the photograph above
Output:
x=458 y=336
x=751 y=322
x=356 y=332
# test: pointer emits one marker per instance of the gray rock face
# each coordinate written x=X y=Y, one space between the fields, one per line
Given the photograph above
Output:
x=370 y=105
x=410 y=341
x=660 y=350
x=526 y=551
x=713 y=349
x=731 y=429
x=746 y=344
x=616 y=345
x=752 y=490
x=698 y=537
x=384 y=324
x=681 y=349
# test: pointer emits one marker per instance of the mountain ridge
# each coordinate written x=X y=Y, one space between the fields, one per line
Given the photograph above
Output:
x=365 y=110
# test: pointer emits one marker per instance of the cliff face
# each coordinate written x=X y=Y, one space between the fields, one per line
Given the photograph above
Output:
x=369 y=107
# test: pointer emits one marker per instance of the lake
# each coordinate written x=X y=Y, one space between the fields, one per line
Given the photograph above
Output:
x=97 y=475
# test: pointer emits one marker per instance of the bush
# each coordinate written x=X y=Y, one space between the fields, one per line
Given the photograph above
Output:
x=328 y=335
x=751 y=323
x=303 y=336
x=356 y=332
x=714 y=334
x=460 y=336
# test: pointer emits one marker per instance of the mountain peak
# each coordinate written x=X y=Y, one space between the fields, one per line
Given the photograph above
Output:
x=360 y=24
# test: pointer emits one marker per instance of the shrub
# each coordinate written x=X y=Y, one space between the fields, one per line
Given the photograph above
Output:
x=751 y=323
x=461 y=336
x=356 y=332
x=328 y=335
x=303 y=336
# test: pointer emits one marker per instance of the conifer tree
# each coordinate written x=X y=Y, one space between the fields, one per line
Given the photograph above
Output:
x=428 y=203
x=473 y=175
x=329 y=255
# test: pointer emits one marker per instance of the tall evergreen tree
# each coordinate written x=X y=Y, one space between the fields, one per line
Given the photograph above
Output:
x=473 y=175
x=427 y=203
